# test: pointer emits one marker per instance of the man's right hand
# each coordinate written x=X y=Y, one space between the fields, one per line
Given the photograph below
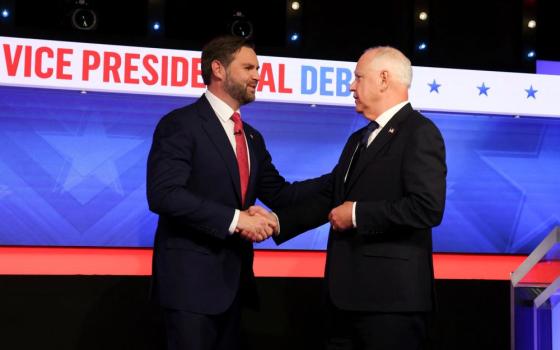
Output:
x=255 y=228
x=258 y=210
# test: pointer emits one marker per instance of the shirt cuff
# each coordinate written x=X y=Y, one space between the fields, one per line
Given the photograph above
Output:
x=233 y=224
x=354 y=215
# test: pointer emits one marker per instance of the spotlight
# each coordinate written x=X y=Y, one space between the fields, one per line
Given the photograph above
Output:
x=5 y=13
x=156 y=26
x=294 y=37
x=241 y=26
x=531 y=54
x=532 y=24
x=84 y=19
x=83 y=16
x=295 y=5
x=422 y=46
x=423 y=16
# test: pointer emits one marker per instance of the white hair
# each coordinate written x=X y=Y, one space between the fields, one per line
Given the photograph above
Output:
x=394 y=61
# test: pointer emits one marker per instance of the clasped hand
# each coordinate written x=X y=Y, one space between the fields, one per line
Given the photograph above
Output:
x=256 y=224
x=341 y=217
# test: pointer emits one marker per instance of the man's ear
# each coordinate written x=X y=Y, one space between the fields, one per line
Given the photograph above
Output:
x=218 y=70
x=384 y=79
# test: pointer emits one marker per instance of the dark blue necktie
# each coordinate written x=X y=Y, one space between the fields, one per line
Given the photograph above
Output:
x=371 y=127
x=366 y=133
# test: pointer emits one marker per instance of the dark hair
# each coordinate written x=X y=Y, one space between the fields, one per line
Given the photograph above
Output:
x=223 y=49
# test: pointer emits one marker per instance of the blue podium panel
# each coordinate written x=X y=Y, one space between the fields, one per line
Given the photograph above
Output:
x=73 y=165
x=535 y=303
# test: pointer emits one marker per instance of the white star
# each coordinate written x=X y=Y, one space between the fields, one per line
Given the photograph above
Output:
x=90 y=156
x=535 y=175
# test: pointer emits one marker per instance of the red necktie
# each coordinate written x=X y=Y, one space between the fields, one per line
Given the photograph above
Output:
x=241 y=152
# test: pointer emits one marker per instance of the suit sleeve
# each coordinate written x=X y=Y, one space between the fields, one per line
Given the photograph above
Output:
x=423 y=178
x=308 y=214
x=276 y=192
x=169 y=168
x=292 y=199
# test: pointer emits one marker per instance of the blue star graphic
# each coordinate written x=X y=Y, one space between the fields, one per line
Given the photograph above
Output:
x=531 y=92
x=483 y=89
x=434 y=86
x=539 y=209
x=90 y=155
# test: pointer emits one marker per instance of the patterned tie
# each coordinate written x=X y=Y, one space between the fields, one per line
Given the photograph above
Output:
x=241 y=153
x=371 y=127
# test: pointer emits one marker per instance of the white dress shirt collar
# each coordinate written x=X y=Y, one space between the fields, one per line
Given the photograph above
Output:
x=386 y=116
x=222 y=109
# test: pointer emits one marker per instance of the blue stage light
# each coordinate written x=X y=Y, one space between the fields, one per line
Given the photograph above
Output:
x=5 y=13
x=156 y=26
x=422 y=46
x=531 y=54
x=294 y=37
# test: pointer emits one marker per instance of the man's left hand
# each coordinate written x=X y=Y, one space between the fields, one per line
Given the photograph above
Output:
x=341 y=217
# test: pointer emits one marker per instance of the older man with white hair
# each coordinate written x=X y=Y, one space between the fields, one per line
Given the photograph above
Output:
x=388 y=191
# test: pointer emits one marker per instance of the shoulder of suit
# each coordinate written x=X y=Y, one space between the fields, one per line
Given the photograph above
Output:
x=418 y=123
x=419 y=119
x=181 y=114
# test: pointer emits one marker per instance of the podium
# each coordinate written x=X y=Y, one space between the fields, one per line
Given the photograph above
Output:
x=535 y=298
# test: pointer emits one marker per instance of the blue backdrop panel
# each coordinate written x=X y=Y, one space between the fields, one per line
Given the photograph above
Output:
x=72 y=169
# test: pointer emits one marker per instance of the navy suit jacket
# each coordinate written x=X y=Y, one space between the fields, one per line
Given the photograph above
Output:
x=385 y=263
x=193 y=184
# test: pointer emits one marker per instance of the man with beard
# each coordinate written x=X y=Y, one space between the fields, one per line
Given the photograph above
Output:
x=205 y=166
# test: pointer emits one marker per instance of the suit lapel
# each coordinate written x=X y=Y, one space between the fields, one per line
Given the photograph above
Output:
x=387 y=134
x=217 y=135
x=345 y=160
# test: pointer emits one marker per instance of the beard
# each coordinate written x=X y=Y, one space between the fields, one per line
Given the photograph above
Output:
x=238 y=91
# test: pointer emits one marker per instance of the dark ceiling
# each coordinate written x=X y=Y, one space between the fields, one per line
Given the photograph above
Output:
x=475 y=34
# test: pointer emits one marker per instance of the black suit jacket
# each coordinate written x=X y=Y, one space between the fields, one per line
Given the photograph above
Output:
x=193 y=184
x=385 y=263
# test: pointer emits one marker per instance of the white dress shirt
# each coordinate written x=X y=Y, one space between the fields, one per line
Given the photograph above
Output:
x=224 y=113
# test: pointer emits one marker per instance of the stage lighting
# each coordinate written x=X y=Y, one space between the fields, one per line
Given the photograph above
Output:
x=5 y=13
x=532 y=24
x=531 y=54
x=294 y=37
x=423 y=16
x=156 y=26
x=241 y=26
x=422 y=46
x=295 y=5
x=83 y=16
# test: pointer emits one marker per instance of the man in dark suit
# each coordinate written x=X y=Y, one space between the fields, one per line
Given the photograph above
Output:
x=388 y=191
x=205 y=166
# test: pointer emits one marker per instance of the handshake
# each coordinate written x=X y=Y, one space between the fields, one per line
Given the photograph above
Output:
x=257 y=224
